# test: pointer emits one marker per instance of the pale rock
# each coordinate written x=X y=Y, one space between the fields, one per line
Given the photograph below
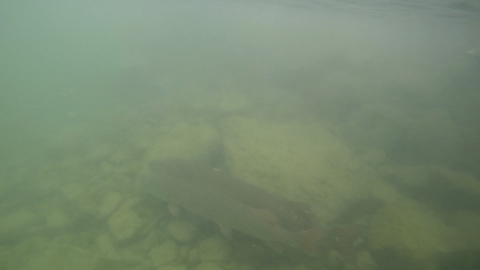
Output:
x=335 y=259
x=16 y=223
x=193 y=257
x=232 y=102
x=38 y=242
x=142 y=145
x=122 y=180
x=374 y=156
x=183 y=253
x=214 y=249
x=145 y=265
x=129 y=169
x=64 y=239
x=411 y=229
x=57 y=219
x=181 y=230
x=165 y=253
x=208 y=266
x=243 y=266
x=3 y=185
x=72 y=192
x=186 y=141
x=365 y=261
x=153 y=237
x=87 y=205
x=130 y=203
x=122 y=155
x=109 y=204
x=101 y=152
x=124 y=224
x=106 y=168
x=301 y=267
x=128 y=254
x=60 y=258
x=269 y=155
x=106 y=246
x=172 y=267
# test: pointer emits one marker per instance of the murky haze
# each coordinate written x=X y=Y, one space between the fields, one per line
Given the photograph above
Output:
x=366 y=112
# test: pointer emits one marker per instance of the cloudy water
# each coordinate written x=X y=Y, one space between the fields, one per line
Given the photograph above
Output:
x=358 y=120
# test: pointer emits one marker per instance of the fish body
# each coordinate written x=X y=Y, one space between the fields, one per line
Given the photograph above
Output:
x=187 y=188
x=292 y=215
x=220 y=209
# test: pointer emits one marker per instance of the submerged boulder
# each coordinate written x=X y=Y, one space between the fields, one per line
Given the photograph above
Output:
x=124 y=224
x=303 y=162
x=60 y=257
x=186 y=141
x=409 y=229
x=181 y=230
x=165 y=253
x=214 y=249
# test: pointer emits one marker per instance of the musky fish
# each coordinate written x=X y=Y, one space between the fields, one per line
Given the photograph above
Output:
x=291 y=215
x=187 y=189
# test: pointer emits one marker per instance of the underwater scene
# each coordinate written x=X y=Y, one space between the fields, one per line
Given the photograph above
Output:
x=240 y=135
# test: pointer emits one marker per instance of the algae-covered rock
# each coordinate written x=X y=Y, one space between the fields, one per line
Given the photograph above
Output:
x=365 y=261
x=374 y=156
x=208 y=266
x=214 y=249
x=145 y=265
x=77 y=195
x=305 y=162
x=172 y=267
x=165 y=253
x=106 y=168
x=435 y=186
x=99 y=153
x=193 y=256
x=182 y=140
x=130 y=255
x=123 y=154
x=109 y=204
x=241 y=266
x=186 y=141
x=72 y=192
x=60 y=258
x=409 y=229
x=467 y=223
x=87 y=205
x=335 y=259
x=232 y=102
x=16 y=224
x=106 y=246
x=433 y=136
x=181 y=230
x=57 y=219
x=124 y=224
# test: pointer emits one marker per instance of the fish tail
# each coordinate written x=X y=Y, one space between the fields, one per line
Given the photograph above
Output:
x=309 y=240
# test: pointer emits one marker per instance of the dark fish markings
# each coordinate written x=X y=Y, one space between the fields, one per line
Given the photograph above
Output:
x=235 y=204
x=291 y=215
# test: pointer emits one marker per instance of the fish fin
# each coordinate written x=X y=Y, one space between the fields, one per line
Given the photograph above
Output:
x=309 y=240
x=267 y=215
x=174 y=210
x=226 y=231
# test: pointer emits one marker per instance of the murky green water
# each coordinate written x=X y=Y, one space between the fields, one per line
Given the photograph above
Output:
x=368 y=114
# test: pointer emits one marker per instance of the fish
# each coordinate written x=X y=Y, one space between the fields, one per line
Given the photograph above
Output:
x=292 y=215
x=202 y=198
